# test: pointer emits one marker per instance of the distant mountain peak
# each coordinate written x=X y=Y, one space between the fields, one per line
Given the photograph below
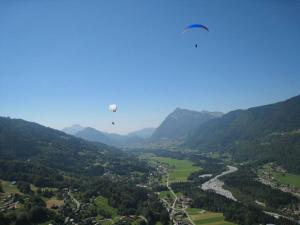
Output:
x=181 y=121
x=73 y=129
x=143 y=133
x=178 y=109
x=91 y=134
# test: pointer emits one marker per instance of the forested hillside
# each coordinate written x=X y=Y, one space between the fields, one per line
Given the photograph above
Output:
x=267 y=132
x=25 y=141
x=40 y=166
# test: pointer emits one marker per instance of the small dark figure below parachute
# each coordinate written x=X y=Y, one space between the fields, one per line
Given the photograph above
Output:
x=195 y=26
x=113 y=108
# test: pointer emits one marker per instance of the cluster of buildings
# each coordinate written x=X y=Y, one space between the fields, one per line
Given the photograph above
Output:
x=267 y=178
x=9 y=203
x=180 y=216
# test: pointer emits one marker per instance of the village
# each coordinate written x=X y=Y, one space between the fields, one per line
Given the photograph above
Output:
x=266 y=176
x=68 y=207
x=175 y=205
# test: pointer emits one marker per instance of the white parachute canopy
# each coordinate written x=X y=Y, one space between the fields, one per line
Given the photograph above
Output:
x=112 y=107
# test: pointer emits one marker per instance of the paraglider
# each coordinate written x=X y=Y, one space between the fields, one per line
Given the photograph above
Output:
x=112 y=108
x=195 y=26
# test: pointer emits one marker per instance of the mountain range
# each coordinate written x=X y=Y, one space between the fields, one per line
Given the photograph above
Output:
x=253 y=123
x=92 y=134
x=264 y=133
x=268 y=133
x=261 y=134
x=176 y=125
x=30 y=144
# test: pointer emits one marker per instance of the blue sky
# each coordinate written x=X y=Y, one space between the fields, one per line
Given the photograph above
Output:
x=64 y=61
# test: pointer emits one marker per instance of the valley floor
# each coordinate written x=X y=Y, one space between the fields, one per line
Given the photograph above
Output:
x=177 y=204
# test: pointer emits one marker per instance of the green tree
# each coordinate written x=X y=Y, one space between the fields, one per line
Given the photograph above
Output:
x=24 y=187
x=3 y=219
x=22 y=220
x=38 y=214
x=1 y=189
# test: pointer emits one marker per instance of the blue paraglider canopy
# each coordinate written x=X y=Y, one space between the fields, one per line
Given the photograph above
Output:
x=195 y=26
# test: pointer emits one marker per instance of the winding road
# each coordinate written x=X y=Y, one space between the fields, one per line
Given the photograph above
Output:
x=172 y=213
x=74 y=199
x=175 y=198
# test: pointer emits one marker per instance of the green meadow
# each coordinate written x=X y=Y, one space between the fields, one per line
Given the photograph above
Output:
x=8 y=188
x=280 y=177
x=202 y=217
x=102 y=204
x=287 y=178
x=179 y=169
x=165 y=194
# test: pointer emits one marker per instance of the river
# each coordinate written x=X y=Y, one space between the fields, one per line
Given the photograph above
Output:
x=217 y=185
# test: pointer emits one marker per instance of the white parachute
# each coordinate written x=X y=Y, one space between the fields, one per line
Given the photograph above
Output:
x=113 y=108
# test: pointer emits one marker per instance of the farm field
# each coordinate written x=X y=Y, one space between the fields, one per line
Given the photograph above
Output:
x=164 y=194
x=9 y=188
x=179 y=169
x=287 y=178
x=281 y=177
x=52 y=202
x=202 y=217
